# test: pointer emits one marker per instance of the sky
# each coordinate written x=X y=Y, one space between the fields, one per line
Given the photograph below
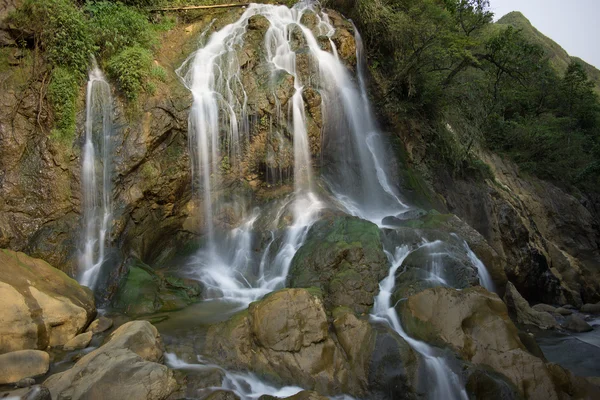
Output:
x=573 y=24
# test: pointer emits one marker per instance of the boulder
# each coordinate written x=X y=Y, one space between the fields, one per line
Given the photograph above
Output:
x=564 y=311
x=524 y=314
x=37 y=392
x=394 y=367
x=80 y=341
x=286 y=337
x=541 y=307
x=590 y=308
x=144 y=290
x=576 y=324
x=100 y=325
x=41 y=306
x=125 y=367
x=475 y=324
x=22 y=364
x=343 y=256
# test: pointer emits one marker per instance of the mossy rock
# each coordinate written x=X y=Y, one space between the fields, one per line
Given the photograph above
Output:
x=343 y=257
x=146 y=291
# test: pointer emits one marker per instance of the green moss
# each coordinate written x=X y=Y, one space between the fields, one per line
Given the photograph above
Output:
x=432 y=220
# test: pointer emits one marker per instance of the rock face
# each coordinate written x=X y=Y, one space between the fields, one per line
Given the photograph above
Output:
x=343 y=256
x=286 y=337
x=41 y=306
x=475 y=324
x=125 y=367
x=23 y=364
x=100 y=325
x=547 y=236
x=524 y=313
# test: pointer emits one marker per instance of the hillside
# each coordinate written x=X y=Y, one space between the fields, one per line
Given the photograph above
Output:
x=559 y=58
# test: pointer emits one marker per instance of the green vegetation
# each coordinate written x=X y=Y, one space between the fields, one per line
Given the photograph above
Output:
x=503 y=87
x=130 y=68
x=62 y=94
x=66 y=34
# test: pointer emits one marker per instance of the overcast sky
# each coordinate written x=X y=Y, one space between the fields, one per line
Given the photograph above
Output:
x=573 y=24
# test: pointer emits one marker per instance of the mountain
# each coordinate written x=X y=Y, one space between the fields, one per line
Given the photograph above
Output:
x=559 y=58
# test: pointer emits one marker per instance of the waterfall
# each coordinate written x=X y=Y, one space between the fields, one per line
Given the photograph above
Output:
x=219 y=124
x=357 y=177
x=95 y=177
x=443 y=382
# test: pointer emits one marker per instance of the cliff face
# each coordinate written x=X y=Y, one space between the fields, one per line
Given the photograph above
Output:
x=154 y=209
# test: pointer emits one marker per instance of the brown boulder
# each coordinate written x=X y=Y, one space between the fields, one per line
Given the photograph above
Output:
x=286 y=337
x=41 y=305
x=475 y=324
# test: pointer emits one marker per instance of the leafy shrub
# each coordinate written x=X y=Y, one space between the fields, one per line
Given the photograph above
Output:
x=116 y=26
x=62 y=95
x=60 y=28
x=131 y=68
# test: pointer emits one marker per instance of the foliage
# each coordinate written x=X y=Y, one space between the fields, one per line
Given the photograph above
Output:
x=480 y=84
x=131 y=68
x=115 y=26
x=62 y=95
x=60 y=28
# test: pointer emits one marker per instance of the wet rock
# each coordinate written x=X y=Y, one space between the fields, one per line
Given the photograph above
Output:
x=564 y=311
x=576 y=324
x=343 y=256
x=100 y=325
x=25 y=383
x=394 y=367
x=484 y=385
x=145 y=291
x=591 y=308
x=434 y=224
x=37 y=392
x=285 y=336
x=18 y=365
x=524 y=313
x=222 y=395
x=125 y=367
x=346 y=46
x=79 y=342
x=41 y=306
x=258 y=23
x=544 y=308
x=475 y=324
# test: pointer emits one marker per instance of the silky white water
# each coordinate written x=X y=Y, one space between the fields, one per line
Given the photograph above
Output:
x=96 y=177
x=485 y=279
x=218 y=127
x=358 y=180
x=445 y=384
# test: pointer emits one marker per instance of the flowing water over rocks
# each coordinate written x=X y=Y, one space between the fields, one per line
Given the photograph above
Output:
x=96 y=177
x=316 y=277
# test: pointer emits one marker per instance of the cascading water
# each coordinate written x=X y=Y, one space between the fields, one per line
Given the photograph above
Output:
x=219 y=127
x=445 y=383
x=485 y=279
x=357 y=177
x=96 y=177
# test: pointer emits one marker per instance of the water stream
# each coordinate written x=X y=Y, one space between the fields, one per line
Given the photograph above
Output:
x=443 y=382
x=96 y=179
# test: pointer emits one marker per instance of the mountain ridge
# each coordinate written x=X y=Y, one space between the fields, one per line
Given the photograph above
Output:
x=559 y=57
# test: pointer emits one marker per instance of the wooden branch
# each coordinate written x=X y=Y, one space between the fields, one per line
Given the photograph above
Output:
x=199 y=7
